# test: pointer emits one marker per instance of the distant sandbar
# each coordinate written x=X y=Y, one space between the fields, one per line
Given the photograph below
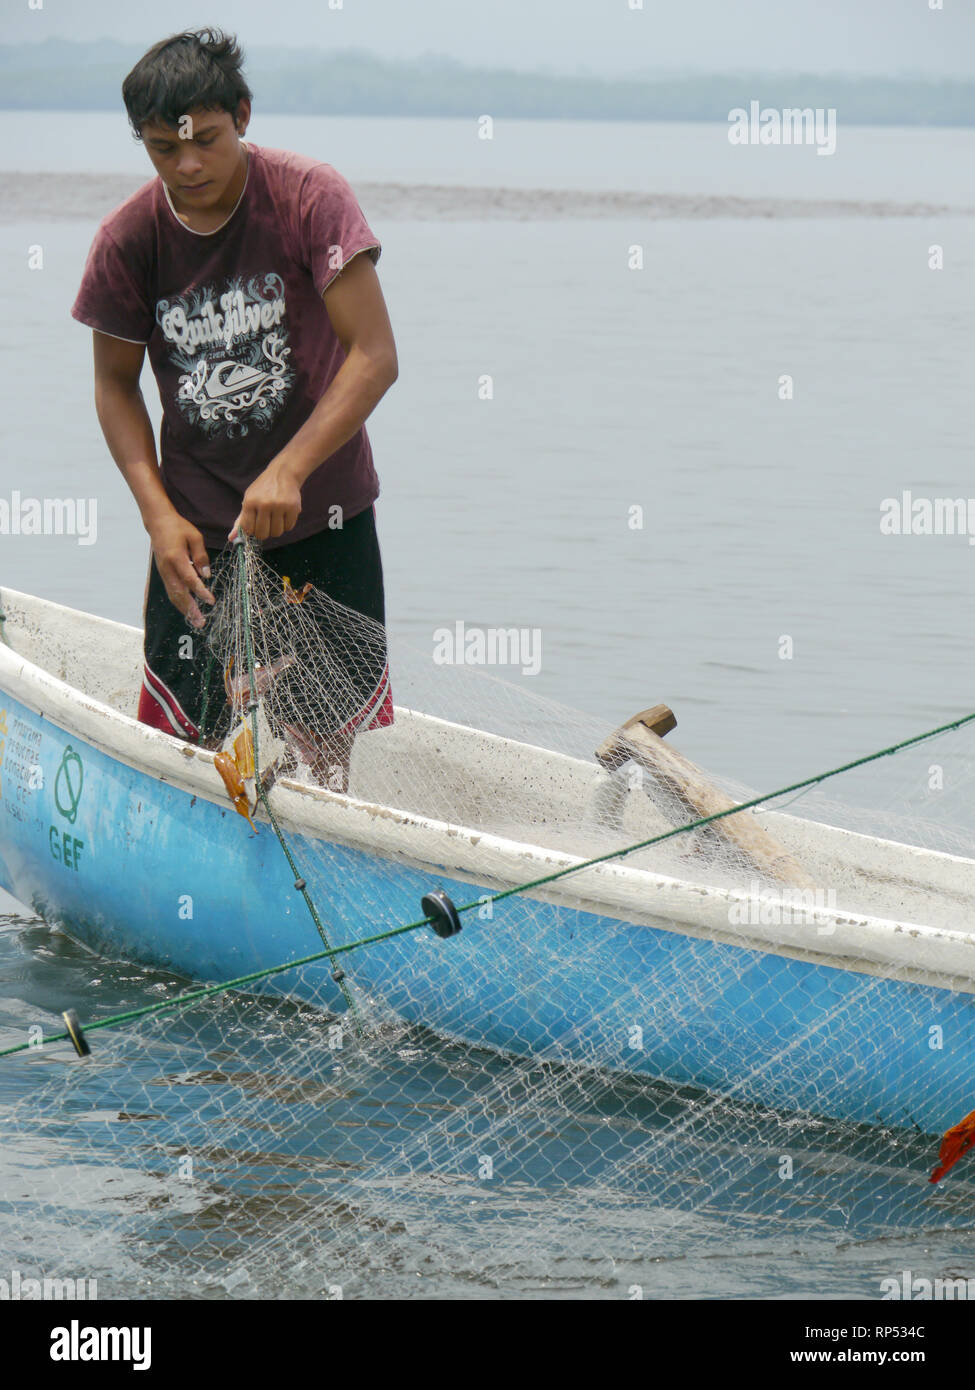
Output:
x=84 y=197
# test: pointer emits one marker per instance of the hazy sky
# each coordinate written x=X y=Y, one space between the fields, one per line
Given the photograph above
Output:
x=606 y=36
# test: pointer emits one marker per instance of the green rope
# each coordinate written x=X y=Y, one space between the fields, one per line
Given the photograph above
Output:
x=205 y=992
x=205 y=730
x=731 y=811
x=664 y=835
x=338 y=975
x=332 y=951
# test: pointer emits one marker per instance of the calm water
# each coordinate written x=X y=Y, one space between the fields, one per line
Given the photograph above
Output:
x=903 y=164
x=613 y=388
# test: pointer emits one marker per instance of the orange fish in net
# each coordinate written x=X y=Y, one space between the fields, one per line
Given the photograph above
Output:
x=234 y=783
x=238 y=687
x=956 y=1142
x=292 y=595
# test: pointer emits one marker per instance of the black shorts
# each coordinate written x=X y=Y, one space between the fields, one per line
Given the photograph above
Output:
x=183 y=687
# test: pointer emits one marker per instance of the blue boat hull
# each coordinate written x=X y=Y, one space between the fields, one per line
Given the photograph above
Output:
x=137 y=868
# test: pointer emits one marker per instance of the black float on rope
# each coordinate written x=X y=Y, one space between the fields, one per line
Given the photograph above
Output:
x=437 y=905
x=76 y=1033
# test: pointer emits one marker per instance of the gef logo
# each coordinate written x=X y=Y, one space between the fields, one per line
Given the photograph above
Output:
x=68 y=784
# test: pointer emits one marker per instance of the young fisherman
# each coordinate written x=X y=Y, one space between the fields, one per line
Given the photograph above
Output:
x=241 y=270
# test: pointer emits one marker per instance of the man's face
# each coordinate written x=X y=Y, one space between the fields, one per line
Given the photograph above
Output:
x=199 y=158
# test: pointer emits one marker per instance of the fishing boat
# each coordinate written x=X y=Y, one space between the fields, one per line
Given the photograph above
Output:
x=123 y=837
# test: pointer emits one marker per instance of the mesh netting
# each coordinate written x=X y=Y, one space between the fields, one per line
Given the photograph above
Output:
x=727 y=1046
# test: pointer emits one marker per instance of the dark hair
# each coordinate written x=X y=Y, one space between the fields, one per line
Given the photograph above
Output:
x=199 y=68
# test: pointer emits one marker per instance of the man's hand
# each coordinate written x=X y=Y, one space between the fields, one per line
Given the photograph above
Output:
x=181 y=559
x=271 y=505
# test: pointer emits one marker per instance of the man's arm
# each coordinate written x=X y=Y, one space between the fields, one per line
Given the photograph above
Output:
x=357 y=312
x=178 y=546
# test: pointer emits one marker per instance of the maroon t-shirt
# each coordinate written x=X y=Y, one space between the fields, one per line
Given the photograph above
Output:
x=237 y=333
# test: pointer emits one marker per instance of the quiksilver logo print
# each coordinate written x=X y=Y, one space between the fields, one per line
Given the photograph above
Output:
x=231 y=348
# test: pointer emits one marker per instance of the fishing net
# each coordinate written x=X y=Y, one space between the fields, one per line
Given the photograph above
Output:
x=716 y=1064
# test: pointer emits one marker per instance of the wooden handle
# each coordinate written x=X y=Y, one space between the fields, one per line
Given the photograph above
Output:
x=680 y=778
